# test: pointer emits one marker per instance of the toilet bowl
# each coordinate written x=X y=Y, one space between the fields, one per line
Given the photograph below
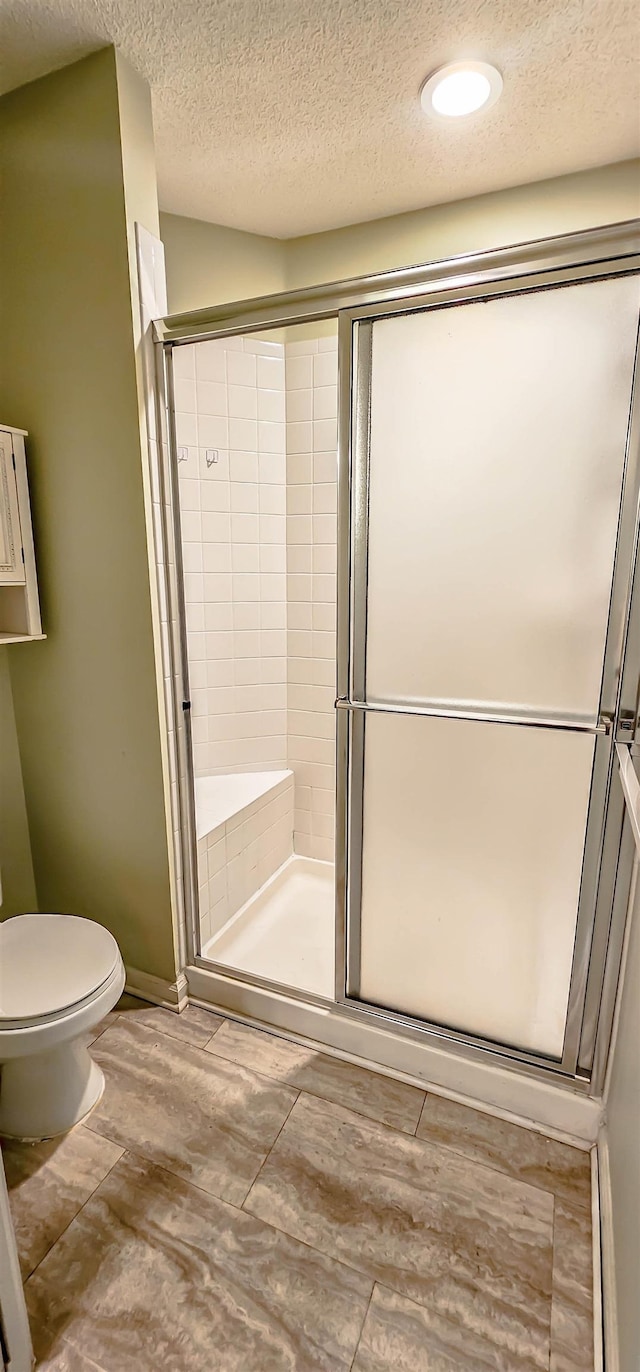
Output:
x=59 y=976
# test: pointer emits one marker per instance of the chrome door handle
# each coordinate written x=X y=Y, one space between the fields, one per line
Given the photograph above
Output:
x=446 y=710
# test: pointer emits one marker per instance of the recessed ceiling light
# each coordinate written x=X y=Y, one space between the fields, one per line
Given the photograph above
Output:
x=461 y=88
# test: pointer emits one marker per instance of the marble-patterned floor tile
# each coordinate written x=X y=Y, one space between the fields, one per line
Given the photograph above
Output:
x=192 y=1025
x=469 y=1243
x=64 y=1358
x=368 y=1093
x=518 y=1152
x=48 y=1183
x=126 y=1002
x=154 y=1274
x=202 y=1117
x=572 y=1295
x=400 y=1336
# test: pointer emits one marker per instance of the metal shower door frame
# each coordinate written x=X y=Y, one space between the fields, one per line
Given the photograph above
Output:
x=597 y=259
x=614 y=249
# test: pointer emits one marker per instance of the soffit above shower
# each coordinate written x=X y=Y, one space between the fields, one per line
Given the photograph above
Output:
x=297 y=116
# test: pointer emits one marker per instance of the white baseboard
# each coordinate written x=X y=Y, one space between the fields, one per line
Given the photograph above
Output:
x=554 y=1110
x=171 y=994
x=611 y=1358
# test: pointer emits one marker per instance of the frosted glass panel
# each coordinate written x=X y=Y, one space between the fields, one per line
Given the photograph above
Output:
x=473 y=838
x=497 y=448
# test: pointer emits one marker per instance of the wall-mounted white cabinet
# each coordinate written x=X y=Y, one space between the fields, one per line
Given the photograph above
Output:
x=19 y=603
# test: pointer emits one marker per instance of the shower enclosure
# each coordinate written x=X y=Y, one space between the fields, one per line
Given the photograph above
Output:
x=487 y=649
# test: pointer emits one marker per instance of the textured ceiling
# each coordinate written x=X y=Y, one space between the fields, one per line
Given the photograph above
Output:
x=290 y=116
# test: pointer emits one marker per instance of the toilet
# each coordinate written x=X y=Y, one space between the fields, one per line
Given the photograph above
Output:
x=59 y=976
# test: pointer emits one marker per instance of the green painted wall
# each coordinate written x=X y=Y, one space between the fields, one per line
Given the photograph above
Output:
x=562 y=205
x=85 y=700
x=208 y=265
x=16 y=866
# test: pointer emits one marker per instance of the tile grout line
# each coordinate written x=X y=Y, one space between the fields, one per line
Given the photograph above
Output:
x=175 y=1038
x=364 y=1320
x=384 y=1286
x=81 y=1207
x=490 y=1167
x=333 y=1257
x=328 y=1100
x=409 y=1133
x=432 y=1143
x=339 y=1260
x=220 y=1026
x=553 y=1268
x=385 y=1283
x=301 y=1090
x=116 y=1017
x=247 y=1214
x=268 y=1155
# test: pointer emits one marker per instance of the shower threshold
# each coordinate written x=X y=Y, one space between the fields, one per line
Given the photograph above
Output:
x=285 y=932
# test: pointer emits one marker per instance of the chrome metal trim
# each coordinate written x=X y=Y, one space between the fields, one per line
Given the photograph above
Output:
x=432 y=711
x=621 y=674
x=345 y=366
x=587 y=248
x=171 y=524
x=341 y=849
x=628 y=703
x=497 y=288
x=355 y=802
x=595 y=879
x=619 y=688
x=345 y=352
x=359 y=531
x=282 y=988
x=357 y=593
x=605 y=1009
x=630 y=789
x=593 y=897
x=471 y=1045
x=413 y=1031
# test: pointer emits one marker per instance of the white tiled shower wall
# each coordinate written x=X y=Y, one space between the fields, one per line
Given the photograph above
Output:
x=237 y=857
x=230 y=401
x=260 y=588
x=311 y=406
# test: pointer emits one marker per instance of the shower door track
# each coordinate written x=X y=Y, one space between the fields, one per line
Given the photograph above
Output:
x=579 y=257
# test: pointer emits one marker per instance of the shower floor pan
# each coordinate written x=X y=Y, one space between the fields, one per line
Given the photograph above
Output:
x=286 y=931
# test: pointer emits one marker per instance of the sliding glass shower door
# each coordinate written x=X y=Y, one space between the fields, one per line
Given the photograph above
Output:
x=488 y=499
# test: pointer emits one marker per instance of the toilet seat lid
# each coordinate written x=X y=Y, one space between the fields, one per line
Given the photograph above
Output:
x=50 y=962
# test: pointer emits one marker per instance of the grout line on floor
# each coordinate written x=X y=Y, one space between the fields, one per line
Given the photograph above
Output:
x=458 y=1152
x=92 y=1193
x=248 y=1214
x=268 y=1155
x=344 y=1261
x=326 y=1100
x=115 y=1019
x=177 y=1038
x=364 y=1320
x=278 y=1081
x=216 y=1031
x=553 y=1273
x=380 y=1069
x=307 y=1091
x=371 y=1119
